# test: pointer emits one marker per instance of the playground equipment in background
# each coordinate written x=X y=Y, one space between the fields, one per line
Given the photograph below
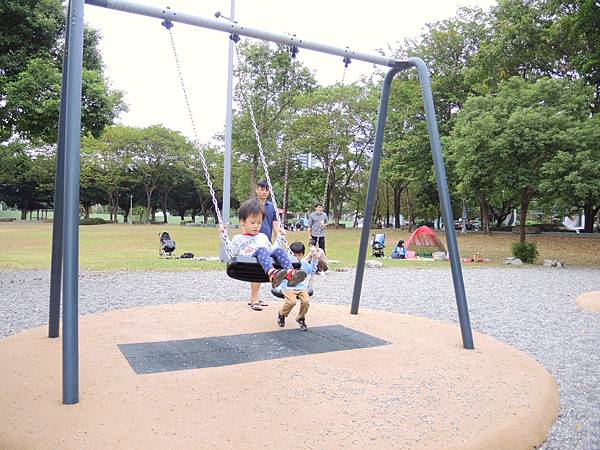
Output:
x=574 y=224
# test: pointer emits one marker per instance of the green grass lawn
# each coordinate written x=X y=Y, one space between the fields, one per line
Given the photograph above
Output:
x=27 y=245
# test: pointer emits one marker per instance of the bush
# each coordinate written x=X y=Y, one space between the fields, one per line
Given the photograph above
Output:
x=526 y=252
x=92 y=221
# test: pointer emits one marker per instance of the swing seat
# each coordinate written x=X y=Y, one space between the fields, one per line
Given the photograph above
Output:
x=246 y=268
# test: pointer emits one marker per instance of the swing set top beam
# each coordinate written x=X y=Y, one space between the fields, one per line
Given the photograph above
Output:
x=240 y=30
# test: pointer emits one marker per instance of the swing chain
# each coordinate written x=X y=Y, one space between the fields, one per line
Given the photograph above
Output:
x=281 y=237
x=197 y=144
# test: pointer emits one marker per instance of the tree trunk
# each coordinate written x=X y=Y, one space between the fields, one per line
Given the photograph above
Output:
x=387 y=205
x=253 y=180
x=148 y=200
x=588 y=211
x=465 y=217
x=286 y=190
x=116 y=206
x=397 y=200
x=110 y=208
x=23 y=214
x=525 y=199
x=164 y=196
x=86 y=211
x=338 y=213
x=409 y=207
x=485 y=215
x=375 y=212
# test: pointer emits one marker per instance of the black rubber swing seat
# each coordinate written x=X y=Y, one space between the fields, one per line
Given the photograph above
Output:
x=246 y=268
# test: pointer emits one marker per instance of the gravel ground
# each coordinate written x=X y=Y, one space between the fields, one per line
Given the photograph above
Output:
x=532 y=309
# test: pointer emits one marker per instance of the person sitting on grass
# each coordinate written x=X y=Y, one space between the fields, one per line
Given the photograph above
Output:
x=291 y=293
x=399 y=251
x=251 y=242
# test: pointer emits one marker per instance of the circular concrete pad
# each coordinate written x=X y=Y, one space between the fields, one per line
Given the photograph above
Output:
x=422 y=391
x=589 y=301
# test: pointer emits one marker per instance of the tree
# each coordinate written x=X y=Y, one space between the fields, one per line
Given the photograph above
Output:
x=571 y=177
x=157 y=154
x=503 y=141
x=31 y=47
x=106 y=162
x=269 y=81
x=518 y=44
x=26 y=179
x=575 y=31
x=335 y=125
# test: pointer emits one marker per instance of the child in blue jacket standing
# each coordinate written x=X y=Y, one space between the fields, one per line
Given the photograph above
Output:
x=291 y=294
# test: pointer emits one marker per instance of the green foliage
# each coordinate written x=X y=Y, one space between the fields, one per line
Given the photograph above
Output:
x=517 y=45
x=269 y=82
x=93 y=221
x=574 y=30
x=503 y=141
x=31 y=48
x=26 y=178
x=525 y=251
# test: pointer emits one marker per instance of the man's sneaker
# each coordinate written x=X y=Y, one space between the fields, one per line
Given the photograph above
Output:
x=280 y=320
x=295 y=277
x=277 y=277
x=302 y=324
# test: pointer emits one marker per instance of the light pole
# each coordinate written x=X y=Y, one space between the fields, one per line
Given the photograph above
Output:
x=129 y=220
x=228 y=120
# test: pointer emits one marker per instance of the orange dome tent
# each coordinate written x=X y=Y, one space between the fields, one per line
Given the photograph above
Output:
x=424 y=241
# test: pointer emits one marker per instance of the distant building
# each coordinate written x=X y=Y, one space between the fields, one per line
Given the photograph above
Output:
x=306 y=160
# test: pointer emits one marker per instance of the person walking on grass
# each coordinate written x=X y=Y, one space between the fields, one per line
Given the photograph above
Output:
x=251 y=242
x=317 y=222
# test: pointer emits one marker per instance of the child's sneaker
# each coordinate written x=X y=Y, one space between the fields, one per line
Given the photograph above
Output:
x=295 y=277
x=277 y=277
x=280 y=320
x=302 y=324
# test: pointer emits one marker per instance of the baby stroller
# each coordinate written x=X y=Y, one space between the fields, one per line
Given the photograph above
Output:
x=167 y=245
x=378 y=244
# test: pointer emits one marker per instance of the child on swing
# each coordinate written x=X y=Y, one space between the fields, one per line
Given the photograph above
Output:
x=251 y=242
x=299 y=291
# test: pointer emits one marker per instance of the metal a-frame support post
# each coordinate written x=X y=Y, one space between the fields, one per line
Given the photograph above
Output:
x=58 y=210
x=442 y=183
x=65 y=236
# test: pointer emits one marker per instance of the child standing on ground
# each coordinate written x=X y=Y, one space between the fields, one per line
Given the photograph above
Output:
x=299 y=291
x=251 y=242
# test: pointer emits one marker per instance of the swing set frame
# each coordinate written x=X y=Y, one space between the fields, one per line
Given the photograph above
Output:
x=65 y=235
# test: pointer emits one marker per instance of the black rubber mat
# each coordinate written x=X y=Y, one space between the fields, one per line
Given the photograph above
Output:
x=165 y=356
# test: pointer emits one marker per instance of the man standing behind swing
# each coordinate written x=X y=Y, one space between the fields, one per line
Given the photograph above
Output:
x=317 y=222
x=269 y=225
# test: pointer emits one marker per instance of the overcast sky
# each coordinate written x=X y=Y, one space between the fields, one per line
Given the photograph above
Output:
x=139 y=60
